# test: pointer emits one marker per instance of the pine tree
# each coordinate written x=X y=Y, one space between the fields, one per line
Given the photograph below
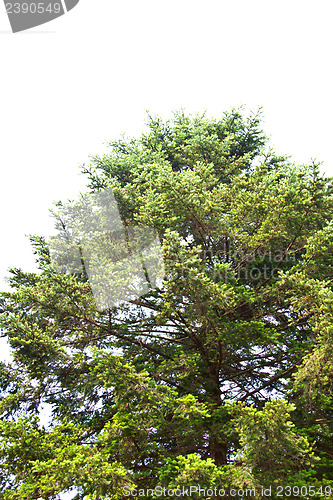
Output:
x=219 y=375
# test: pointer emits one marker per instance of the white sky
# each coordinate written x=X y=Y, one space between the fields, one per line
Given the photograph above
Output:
x=68 y=86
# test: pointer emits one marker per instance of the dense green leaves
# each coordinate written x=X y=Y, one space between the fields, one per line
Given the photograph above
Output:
x=221 y=374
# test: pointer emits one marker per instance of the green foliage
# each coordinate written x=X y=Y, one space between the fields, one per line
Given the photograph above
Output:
x=222 y=374
x=269 y=445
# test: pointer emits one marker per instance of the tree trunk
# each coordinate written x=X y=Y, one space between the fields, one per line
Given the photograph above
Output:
x=218 y=451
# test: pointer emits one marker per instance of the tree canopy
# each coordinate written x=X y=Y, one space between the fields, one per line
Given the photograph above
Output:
x=218 y=375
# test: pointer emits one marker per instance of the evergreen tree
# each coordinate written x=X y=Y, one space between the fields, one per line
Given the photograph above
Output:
x=220 y=375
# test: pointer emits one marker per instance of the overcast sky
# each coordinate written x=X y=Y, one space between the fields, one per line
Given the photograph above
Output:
x=86 y=77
